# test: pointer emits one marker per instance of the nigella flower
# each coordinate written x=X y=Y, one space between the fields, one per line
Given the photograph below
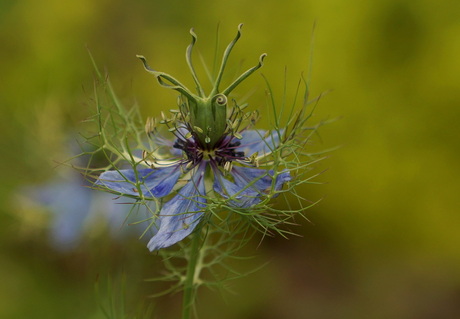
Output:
x=213 y=155
x=73 y=209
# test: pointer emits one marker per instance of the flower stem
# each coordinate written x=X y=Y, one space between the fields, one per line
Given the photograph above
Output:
x=190 y=279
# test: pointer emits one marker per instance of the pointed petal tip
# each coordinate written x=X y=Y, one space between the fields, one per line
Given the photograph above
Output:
x=175 y=231
x=180 y=215
x=157 y=182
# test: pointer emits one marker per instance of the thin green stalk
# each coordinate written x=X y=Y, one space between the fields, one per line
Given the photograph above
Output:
x=190 y=279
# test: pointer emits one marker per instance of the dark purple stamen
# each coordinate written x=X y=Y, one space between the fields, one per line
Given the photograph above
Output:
x=224 y=151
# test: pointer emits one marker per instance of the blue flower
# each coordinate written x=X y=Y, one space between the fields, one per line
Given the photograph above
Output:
x=74 y=208
x=235 y=179
x=214 y=155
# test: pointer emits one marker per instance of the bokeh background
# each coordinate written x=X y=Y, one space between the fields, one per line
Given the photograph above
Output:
x=384 y=242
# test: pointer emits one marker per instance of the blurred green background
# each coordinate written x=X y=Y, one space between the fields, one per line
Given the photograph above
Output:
x=384 y=241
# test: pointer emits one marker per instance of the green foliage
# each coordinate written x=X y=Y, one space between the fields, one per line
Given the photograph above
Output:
x=385 y=233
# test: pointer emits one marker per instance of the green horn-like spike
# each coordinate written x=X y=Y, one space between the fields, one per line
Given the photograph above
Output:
x=161 y=77
x=229 y=48
x=207 y=115
x=188 y=57
x=243 y=76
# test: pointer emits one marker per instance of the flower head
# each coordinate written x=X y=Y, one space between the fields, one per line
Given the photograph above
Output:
x=212 y=159
x=71 y=210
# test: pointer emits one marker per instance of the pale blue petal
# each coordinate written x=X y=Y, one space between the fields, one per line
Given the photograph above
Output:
x=122 y=216
x=156 y=182
x=70 y=203
x=259 y=141
x=261 y=180
x=250 y=186
x=168 y=144
x=179 y=216
x=238 y=196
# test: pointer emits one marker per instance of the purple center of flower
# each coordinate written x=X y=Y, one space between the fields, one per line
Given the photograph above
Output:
x=224 y=151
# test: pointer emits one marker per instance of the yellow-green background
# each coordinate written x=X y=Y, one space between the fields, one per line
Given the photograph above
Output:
x=385 y=240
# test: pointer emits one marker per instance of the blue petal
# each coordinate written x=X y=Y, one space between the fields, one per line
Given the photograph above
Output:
x=179 y=216
x=168 y=144
x=251 y=185
x=70 y=204
x=261 y=179
x=156 y=182
x=239 y=197
x=259 y=141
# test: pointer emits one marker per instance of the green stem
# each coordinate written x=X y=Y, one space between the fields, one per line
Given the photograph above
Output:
x=190 y=279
